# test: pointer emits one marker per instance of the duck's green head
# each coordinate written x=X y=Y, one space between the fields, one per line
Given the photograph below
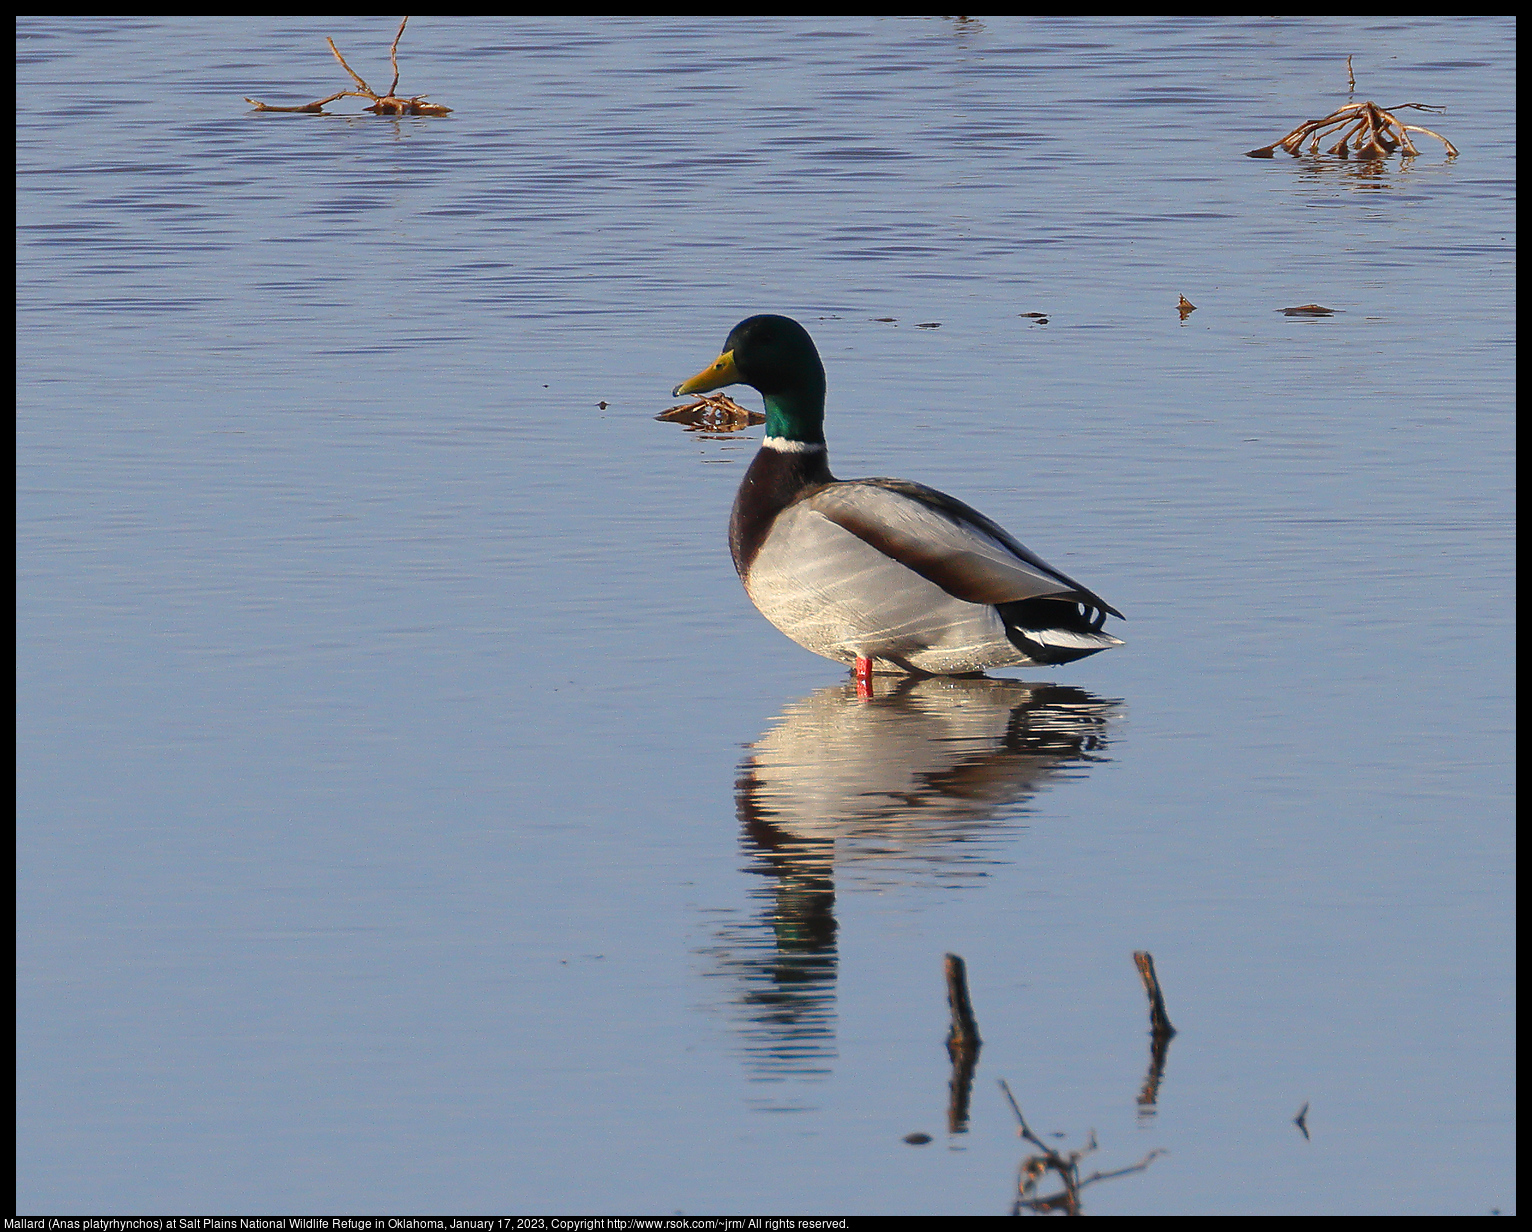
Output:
x=776 y=356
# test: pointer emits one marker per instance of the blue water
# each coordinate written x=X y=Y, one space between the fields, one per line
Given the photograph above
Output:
x=414 y=815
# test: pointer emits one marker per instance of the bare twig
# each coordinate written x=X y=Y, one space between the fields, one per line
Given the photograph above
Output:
x=393 y=55
x=312 y=108
x=360 y=84
x=1138 y=1167
x=1024 y=1129
x=1415 y=128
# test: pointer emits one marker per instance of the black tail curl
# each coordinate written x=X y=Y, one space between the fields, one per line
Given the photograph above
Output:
x=1027 y=617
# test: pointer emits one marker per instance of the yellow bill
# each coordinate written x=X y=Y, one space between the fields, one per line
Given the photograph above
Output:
x=720 y=373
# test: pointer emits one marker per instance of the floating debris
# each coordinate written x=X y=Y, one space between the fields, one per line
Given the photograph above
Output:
x=885 y=320
x=1308 y=310
x=963 y=1046
x=382 y=104
x=1371 y=132
x=1066 y=1167
x=928 y=324
x=712 y=413
x=1185 y=307
x=1302 y=1120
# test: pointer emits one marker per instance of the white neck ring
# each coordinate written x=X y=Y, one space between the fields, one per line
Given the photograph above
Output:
x=782 y=445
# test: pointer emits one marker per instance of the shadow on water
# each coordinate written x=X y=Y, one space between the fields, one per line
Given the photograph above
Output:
x=921 y=784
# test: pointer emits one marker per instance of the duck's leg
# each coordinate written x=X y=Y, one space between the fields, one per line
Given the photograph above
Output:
x=863 y=671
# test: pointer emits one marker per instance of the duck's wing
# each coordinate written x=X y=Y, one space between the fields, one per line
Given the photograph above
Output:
x=946 y=542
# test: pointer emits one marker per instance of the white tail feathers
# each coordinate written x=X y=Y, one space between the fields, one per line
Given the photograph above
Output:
x=1068 y=639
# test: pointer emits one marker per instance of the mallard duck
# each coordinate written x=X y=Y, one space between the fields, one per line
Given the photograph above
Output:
x=885 y=574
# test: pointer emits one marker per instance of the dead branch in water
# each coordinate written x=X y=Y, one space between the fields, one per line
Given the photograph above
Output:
x=382 y=104
x=1065 y=1167
x=1371 y=132
x=1160 y=1032
x=963 y=1036
x=963 y=1044
x=1159 y=1020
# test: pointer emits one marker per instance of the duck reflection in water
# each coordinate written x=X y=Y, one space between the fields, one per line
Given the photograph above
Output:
x=921 y=784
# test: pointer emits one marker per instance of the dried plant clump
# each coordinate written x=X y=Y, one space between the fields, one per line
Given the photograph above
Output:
x=382 y=104
x=1370 y=132
x=712 y=413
